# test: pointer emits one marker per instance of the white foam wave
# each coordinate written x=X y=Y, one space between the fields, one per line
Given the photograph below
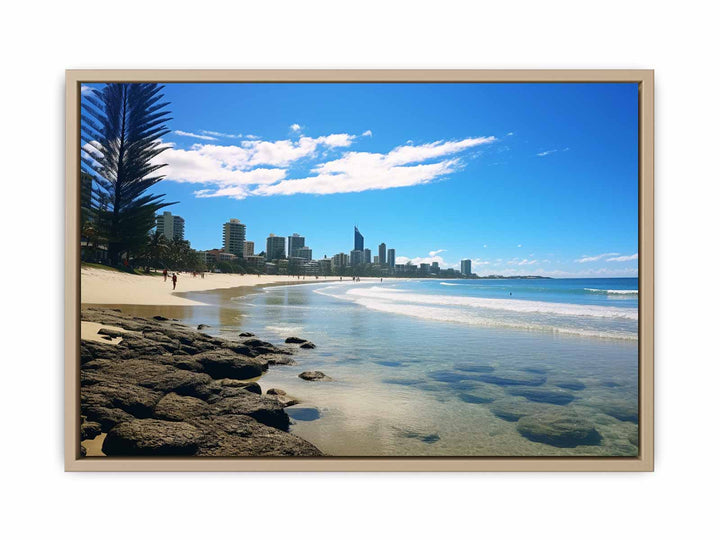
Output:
x=449 y=284
x=517 y=306
x=612 y=291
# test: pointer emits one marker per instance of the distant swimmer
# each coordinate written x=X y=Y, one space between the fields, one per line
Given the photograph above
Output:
x=510 y=294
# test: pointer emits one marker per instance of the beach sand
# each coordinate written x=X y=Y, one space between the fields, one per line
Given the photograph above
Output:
x=99 y=286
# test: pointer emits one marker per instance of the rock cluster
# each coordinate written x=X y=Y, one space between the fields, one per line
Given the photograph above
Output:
x=167 y=390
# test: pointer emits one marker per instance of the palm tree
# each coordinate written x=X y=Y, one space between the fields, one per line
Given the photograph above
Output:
x=156 y=250
x=122 y=126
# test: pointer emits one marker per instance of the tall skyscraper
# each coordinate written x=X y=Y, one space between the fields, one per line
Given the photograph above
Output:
x=367 y=256
x=234 y=237
x=171 y=227
x=381 y=253
x=275 y=248
x=359 y=240
x=295 y=242
x=391 y=258
x=466 y=267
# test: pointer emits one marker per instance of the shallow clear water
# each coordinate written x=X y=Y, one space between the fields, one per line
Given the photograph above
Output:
x=421 y=367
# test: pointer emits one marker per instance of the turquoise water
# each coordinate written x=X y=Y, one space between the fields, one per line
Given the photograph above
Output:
x=431 y=367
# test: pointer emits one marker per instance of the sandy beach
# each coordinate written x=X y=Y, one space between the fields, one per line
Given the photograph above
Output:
x=99 y=286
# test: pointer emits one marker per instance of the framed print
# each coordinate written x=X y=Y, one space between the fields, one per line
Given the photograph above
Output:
x=359 y=270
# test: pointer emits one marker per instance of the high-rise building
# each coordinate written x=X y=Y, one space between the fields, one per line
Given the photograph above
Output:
x=367 y=256
x=295 y=242
x=339 y=260
x=424 y=268
x=381 y=253
x=248 y=249
x=171 y=227
x=234 y=237
x=391 y=258
x=359 y=240
x=357 y=257
x=466 y=267
x=435 y=267
x=275 y=248
x=303 y=253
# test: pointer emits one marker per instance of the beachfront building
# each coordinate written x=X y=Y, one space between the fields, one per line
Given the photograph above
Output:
x=294 y=243
x=255 y=262
x=465 y=267
x=424 y=268
x=234 y=237
x=171 y=227
x=357 y=256
x=248 y=249
x=391 y=258
x=304 y=252
x=339 y=260
x=325 y=266
x=275 y=248
x=367 y=256
x=382 y=255
x=435 y=267
x=359 y=241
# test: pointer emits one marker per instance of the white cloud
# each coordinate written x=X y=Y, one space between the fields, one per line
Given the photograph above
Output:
x=624 y=258
x=367 y=133
x=194 y=135
x=545 y=153
x=519 y=245
x=433 y=253
x=296 y=127
x=220 y=134
x=593 y=258
x=527 y=262
x=362 y=171
x=86 y=89
x=484 y=245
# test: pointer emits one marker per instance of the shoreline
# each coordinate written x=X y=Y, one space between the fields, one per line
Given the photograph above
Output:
x=107 y=287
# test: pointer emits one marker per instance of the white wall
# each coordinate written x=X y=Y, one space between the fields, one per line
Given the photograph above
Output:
x=678 y=40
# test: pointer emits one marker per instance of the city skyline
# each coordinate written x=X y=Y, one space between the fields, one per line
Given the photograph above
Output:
x=520 y=179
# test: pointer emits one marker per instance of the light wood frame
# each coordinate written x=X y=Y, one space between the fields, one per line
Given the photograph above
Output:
x=643 y=462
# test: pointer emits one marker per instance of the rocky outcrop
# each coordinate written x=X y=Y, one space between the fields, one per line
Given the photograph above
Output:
x=296 y=340
x=542 y=395
x=166 y=390
x=314 y=376
x=558 y=429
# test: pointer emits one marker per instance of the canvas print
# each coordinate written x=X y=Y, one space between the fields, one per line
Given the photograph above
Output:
x=358 y=269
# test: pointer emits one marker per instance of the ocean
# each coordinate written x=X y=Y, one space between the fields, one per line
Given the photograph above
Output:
x=453 y=367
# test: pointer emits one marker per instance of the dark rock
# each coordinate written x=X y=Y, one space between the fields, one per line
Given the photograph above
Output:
x=307 y=345
x=224 y=363
x=92 y=350
x=111 y=333
x=265 y=410
x=276 y=392
x=513 y=378
x=314 y=376
x=542 y=395
x=569 y=384
x=512 y=410
x=483 y=393
x=277 y=359
x=293 y=339
x=238 y=435
x=246 y=334
x=150 y=437
x=131 y=398
x=424 y=436
x=202 y=326
x=472 y=367
x=90 y=430
x=83 y=451
x=160 y=318
x=106 y=417
x=561 y=430
x=176 y=408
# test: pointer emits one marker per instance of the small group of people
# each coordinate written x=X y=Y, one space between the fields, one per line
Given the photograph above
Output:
x=174 y=277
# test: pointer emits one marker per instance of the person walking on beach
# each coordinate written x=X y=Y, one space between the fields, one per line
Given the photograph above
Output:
x=174 y=280
x=164 y=274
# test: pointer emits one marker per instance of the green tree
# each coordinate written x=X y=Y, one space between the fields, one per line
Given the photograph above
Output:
x=122 y=125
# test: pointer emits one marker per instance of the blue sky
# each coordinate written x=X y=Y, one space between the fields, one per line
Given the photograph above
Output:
x=520 y=178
